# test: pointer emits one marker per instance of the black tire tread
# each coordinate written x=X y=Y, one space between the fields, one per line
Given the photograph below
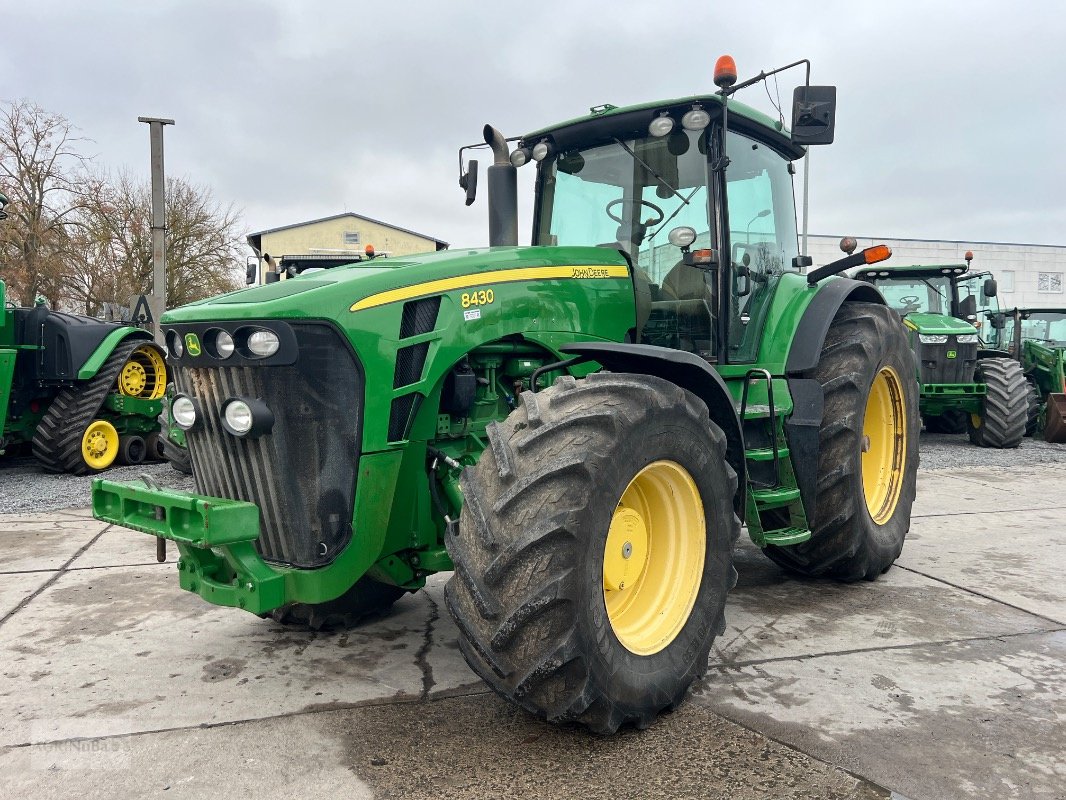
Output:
x=367 y=598
x=860 y=337
x=514 y=546
x=57 y=440
x=1032 y=421
x=1005 y=412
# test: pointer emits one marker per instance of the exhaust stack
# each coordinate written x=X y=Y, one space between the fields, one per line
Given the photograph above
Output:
x=503 y=192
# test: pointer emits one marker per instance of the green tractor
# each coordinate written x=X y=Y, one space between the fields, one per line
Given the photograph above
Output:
x=577 y=428
x=1037 y=337
x=79 y=392
x=967 y=384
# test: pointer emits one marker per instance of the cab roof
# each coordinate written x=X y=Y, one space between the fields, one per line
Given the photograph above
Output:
x=605 y=122
x=912 y=271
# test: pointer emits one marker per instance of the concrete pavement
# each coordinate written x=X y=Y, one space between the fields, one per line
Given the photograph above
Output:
x=941 y=679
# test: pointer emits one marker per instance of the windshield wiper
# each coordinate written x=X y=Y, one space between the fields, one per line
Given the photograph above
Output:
x=658 y=177
x=678 y=210
x=931 y=286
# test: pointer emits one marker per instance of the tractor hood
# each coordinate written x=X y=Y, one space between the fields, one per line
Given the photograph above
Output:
x=931 y=324
x=333 y=293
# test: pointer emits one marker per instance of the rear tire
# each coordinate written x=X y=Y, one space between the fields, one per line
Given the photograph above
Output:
x=1032 y=421
x=847 y=542
x=367 y=598
x=1005 y=413
x=536 y=542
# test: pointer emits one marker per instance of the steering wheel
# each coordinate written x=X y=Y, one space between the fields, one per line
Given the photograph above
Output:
x=911 y=302
x=652 y=206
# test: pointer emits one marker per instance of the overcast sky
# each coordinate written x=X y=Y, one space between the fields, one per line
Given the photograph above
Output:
x=949 y=124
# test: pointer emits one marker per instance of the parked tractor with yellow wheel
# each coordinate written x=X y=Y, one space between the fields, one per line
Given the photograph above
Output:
x=79 y=392
x=577 y=429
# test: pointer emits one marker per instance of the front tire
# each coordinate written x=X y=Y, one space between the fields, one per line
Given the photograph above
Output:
x=868 y=455
x=367 y=598
x=594 y=551
x=1005 y=412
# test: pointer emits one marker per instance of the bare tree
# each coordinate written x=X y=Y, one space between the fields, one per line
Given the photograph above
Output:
x=113 y=247
x=41 y=171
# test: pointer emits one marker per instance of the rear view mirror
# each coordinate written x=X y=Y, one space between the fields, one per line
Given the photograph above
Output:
x=468 y=181
x=990 y=287
x=814 y=111
x=251 y=270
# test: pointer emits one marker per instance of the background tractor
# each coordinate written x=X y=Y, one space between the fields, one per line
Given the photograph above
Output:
x=966 y=383
x=1037 y=338
x=80 y=392
x=577 y=428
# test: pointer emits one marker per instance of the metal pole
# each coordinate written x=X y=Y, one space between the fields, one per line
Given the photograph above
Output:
x=159 y=229
x=806 y=185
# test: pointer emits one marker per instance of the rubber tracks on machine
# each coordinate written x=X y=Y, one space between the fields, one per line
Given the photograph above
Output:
x=57 y=442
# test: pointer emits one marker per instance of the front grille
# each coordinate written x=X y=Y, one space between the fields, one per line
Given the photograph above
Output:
x=936 y=367
x=301 y=475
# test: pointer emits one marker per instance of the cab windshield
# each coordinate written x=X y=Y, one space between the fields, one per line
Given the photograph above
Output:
x=628 y=195
x=1046 y=326
x=927 y=295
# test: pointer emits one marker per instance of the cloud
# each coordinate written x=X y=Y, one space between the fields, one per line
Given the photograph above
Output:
x=948 y=122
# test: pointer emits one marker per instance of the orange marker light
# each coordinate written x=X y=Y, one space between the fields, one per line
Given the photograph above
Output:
x=879 y=252
x=725 y=72
x=968 y=256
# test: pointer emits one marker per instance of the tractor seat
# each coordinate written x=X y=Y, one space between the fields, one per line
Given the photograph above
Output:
x=683 y=282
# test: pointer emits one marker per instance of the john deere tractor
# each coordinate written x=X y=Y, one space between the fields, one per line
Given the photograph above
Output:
x=578 y=428
x=80 y=392
x=1037 y=337
x=967 y=384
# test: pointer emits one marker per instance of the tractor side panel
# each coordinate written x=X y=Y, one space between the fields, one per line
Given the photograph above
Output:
x=7 y=377
x=87 y=360
x=408 y=346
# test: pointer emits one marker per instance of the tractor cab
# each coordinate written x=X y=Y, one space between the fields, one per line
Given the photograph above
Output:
x=642 y=184
x=1045 y=325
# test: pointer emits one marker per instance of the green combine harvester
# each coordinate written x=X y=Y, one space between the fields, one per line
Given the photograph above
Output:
x=79 y=392
x=967 y=385
x=578 y=428
x=1037 y=337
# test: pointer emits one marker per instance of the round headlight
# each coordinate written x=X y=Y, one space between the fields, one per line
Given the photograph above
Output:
x=263 y=343
x=246 y=416
x=238 y=417
x=541 y=150
x=660 y=126
x=174 y=345
x=520 y=157
x=223 y=344
x=183 y=409
x=695 y=120
x=682 y=236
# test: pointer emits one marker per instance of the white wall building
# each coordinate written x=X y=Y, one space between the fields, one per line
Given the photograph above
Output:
x=1029 y=275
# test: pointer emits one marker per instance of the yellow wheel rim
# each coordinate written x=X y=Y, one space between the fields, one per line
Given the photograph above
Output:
x=144 y=375
x=99 y=444
x=653 y=558
x=884 y=445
